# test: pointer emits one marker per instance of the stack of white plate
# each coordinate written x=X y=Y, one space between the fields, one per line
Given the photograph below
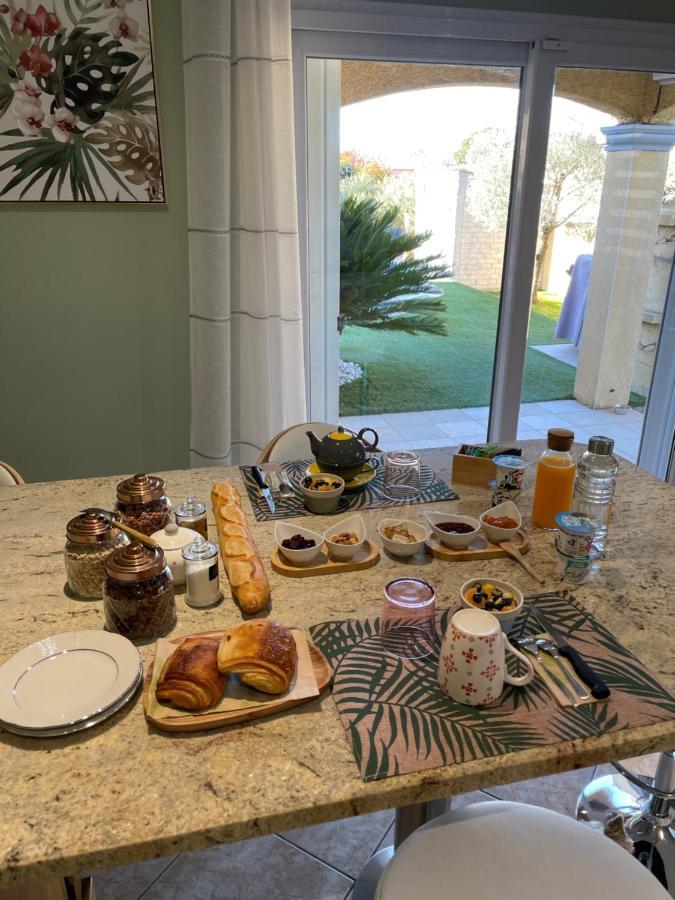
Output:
x=67 y=683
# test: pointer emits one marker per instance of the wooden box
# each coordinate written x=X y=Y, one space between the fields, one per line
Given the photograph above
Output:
x=476 y=470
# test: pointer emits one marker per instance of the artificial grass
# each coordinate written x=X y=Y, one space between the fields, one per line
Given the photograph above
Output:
x=404 y=373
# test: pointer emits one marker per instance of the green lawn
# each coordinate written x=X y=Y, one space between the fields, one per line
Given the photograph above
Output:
x=404 y=373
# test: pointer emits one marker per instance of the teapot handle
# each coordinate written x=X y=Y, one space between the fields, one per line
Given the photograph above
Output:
x=370 y=445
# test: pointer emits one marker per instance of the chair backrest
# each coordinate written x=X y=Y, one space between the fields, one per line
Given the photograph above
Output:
x=8 y=475
x=293 y=443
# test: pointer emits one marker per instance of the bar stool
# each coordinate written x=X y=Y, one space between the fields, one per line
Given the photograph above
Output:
x=513 y=851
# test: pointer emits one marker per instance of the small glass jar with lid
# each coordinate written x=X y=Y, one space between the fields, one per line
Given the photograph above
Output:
x=143 y=503
x=90 y=540
x=191 y=513
x=201 y=573
x=138 y=593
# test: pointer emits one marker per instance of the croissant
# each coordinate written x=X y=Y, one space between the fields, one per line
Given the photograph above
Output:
x=243 y=566
x=262 y=653
x=190 y=678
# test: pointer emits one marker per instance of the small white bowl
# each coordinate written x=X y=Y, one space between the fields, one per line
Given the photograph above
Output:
x=345 y=551
x=492 y=532
x=399 y=548
x=456 y=541
x=322 y=502
x=506 y=619
x=284 y=530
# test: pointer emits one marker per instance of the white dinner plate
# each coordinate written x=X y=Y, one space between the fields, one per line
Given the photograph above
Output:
x=66 y=679
x=82 y=725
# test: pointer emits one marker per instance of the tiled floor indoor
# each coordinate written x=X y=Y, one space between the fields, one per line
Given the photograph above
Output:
x=448 y=427
x=315 y=863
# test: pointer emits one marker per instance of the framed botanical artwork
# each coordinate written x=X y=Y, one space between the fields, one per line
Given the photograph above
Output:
x=78 y=110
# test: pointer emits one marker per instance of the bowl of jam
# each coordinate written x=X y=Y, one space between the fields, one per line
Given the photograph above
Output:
x=501 y=522
x=453 y=530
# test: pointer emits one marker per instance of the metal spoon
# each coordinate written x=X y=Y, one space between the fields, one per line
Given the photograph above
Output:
x=285 y=486
x=551 y=648
x=529 y=644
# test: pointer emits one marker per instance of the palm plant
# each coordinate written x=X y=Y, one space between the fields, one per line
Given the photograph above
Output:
x=377 y=267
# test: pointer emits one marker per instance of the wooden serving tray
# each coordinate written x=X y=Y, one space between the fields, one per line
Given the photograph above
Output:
x=206 y=721
x=367 y=556
x=481 y=548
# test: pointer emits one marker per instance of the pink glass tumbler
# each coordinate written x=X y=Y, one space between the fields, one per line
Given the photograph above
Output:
x=408 y=627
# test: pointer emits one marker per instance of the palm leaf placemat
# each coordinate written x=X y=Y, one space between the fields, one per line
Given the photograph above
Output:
x=397 y=720
x=432 y=490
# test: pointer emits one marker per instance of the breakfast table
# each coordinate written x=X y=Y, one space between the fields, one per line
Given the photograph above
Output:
x=124 y=791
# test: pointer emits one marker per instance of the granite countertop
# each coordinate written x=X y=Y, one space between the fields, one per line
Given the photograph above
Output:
x=125 y=791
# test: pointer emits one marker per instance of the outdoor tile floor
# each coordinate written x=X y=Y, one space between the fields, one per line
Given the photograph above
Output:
x=315 y=863
x=448 y=427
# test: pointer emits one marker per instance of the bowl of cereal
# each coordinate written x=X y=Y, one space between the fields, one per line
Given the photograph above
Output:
x=402 y=537
x=321 y=492
x=344 y=539
x=493 y=595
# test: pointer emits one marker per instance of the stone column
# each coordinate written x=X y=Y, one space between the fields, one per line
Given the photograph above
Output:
x=630 y=205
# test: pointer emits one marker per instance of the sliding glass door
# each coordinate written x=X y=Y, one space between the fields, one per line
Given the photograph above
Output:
x=408 y=184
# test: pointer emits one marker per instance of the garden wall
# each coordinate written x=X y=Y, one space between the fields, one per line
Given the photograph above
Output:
x=479 y=251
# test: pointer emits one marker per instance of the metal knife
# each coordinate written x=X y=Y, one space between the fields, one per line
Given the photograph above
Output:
x=259 y=477
x=598 y=687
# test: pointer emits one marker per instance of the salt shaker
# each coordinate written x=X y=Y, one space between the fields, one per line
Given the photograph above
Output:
x=201 y=573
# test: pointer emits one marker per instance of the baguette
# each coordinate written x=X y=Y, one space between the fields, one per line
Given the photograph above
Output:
x=243 y=566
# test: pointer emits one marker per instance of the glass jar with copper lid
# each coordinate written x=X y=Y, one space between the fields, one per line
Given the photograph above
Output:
x=90 y=540
x=138 y=593
x=143 y=504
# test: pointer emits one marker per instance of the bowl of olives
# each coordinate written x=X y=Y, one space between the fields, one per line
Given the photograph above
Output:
x=495 y=596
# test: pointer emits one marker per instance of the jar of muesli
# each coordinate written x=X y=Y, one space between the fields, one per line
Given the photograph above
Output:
x=138 y=593
x=143 y=503
x=91 y=539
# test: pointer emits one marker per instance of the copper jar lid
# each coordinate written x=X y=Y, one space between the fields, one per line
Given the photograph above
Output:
x=135 y=562
x=560 y=439
x=90 y=528
x=140 y=489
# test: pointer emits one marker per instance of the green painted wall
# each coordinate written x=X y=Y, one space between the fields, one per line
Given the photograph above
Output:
x=645 y=10
x=94 y=343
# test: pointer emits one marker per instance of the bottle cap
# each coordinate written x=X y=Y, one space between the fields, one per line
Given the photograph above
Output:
x=600 y=444
x=191 y=508
x=200 y=549
x=560 y=439
x=90 y=528
x=135 y=562
x=140 y=489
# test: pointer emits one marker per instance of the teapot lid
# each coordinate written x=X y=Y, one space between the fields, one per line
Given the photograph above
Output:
x=340 y=434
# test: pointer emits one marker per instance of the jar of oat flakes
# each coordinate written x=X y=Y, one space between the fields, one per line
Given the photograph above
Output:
x=91 y=539
x=143 y=503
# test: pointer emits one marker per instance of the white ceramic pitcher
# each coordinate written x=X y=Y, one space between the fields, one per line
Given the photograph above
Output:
x=472 y=664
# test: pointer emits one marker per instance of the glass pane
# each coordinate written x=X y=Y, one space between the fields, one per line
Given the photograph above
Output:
x=604 y=256
x=426 y=153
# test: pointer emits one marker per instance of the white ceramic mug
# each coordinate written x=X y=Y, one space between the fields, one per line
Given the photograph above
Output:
x=472 y=664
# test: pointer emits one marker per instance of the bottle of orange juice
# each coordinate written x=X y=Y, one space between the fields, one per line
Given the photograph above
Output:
x=554 y=483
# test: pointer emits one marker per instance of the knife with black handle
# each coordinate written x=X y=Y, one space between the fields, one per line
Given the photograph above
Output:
x=598 y=687
x=259 y=477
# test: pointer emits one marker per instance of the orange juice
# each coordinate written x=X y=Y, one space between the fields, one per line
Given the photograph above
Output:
x=554 y=483
x=553 y=489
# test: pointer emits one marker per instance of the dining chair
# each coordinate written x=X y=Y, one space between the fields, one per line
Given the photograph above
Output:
x=9 y=476
x=513 y=851
x=292 y=443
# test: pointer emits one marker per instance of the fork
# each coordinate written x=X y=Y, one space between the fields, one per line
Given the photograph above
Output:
x=552 y=649
x=529 y=644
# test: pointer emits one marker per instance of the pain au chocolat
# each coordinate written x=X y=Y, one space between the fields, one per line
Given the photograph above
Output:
x=190 y=678
x=262 y=653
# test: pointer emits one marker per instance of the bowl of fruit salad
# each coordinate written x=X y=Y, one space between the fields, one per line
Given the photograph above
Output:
x=322 y=492
x=493 y=595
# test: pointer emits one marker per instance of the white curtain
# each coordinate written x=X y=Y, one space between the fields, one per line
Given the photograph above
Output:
x=247 y=358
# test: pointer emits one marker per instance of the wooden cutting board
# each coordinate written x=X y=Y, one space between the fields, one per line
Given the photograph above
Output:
x=364 y=558
x=219 y=718
x=481 y=548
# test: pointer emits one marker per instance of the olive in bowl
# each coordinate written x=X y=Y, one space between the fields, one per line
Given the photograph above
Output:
x=321 y=493
x=495 y=596
x=298 y=545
